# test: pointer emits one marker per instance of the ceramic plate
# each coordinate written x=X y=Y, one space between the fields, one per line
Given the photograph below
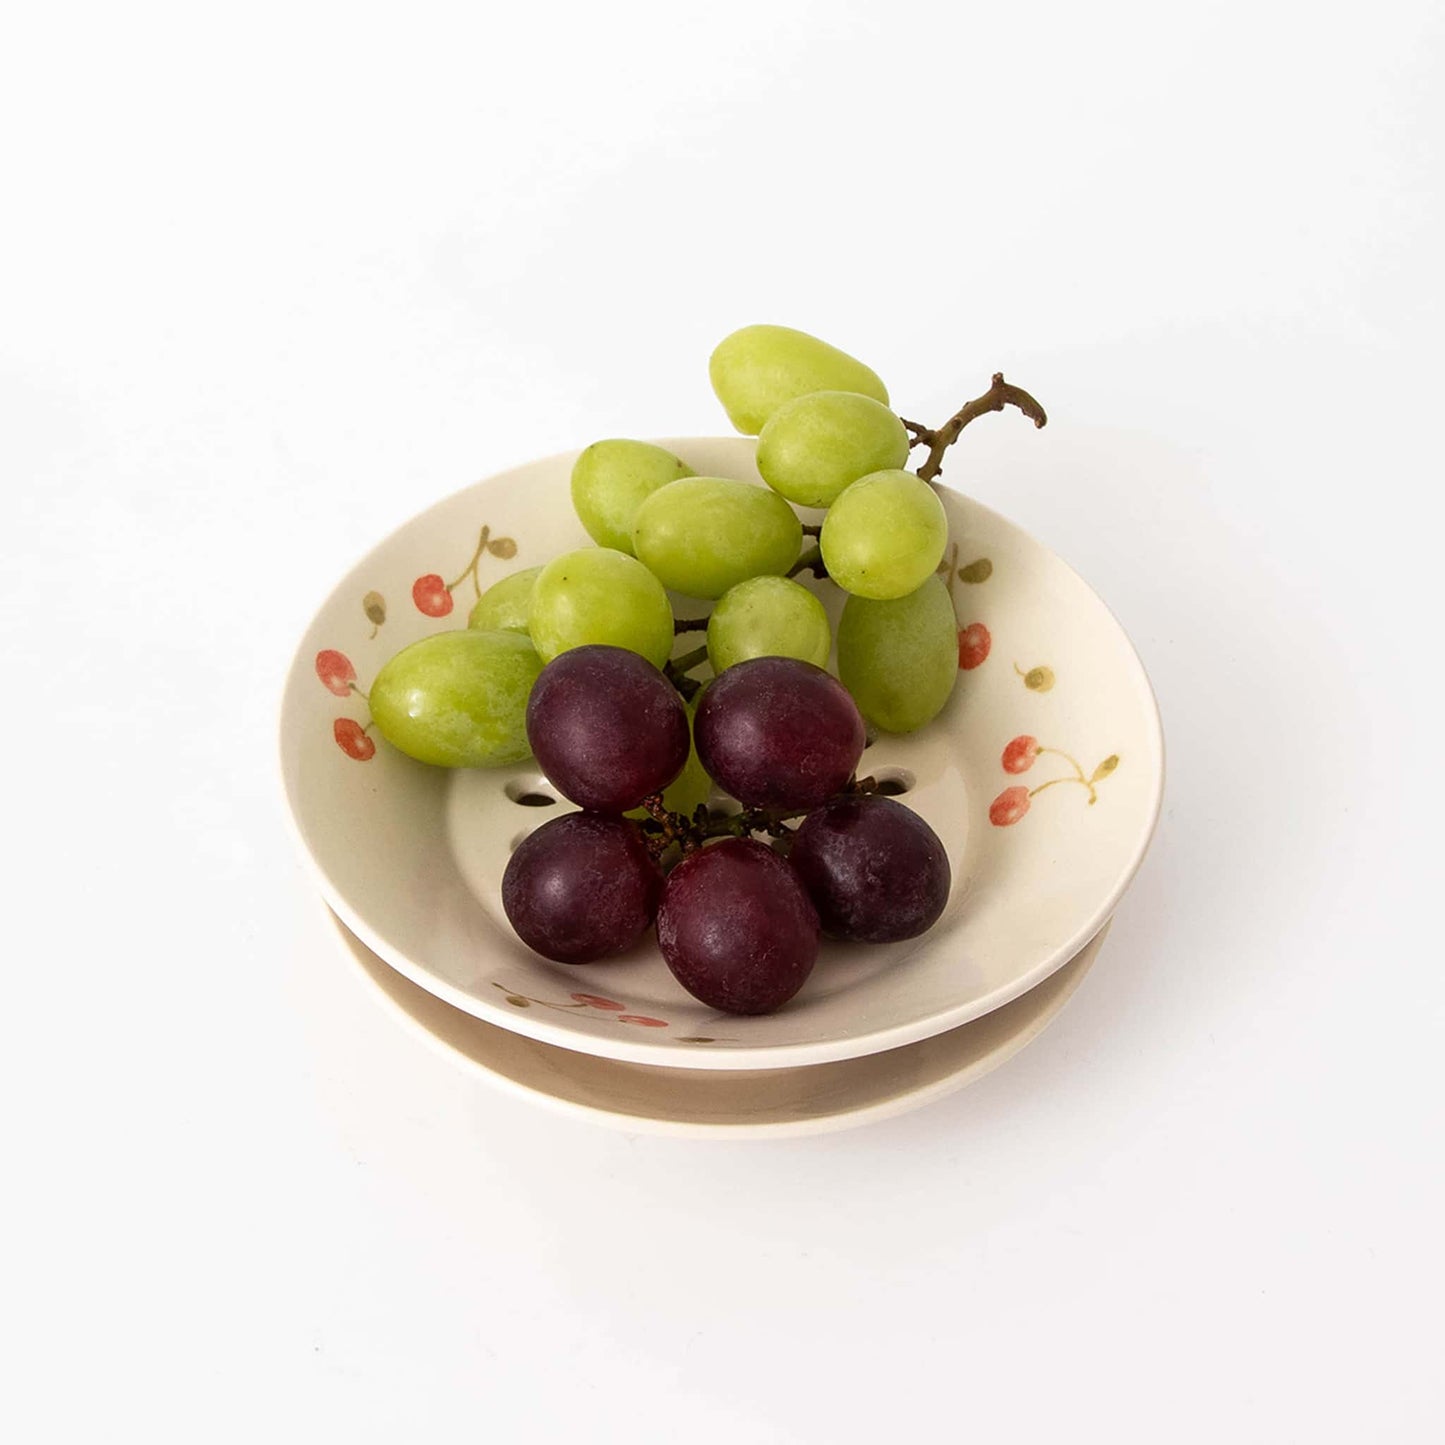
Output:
x=645 y=1099
x=1043 y=777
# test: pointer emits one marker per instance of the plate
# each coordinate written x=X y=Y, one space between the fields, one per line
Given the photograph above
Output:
x=646 y=1099
x=1043 y=777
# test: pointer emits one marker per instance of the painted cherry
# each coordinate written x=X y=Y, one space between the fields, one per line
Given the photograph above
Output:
x=973 y=646
x=335 y=671
x=431 y=595
x=592 y=1000
x=1019 y=755
x=643 y=1020
x=1008 y=807
x=352 y=739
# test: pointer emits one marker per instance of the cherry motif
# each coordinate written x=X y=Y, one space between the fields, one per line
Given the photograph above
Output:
x=974 y=643
x=643 y=1020
x=592 y=1000
x=432 y=595
x=352 y=739
x=1008 y=807
x=335 y=671
x=1019 y=755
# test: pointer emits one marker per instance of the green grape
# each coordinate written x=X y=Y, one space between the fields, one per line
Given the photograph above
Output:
x=458 y=699
x=815 y=445
x=884 y=535
x=505 y=605
x=768 y=617
x=755 y=370
x=703 y=535
x=597 y=594
x=612 y=479
x=899 y=658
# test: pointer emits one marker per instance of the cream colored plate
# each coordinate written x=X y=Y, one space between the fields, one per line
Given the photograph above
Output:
x=648 y=1099
x=1042 y=776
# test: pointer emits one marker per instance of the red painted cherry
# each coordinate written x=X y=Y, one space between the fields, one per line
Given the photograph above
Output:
x=1019 y=755
x=352 y=739
x=1008 y=807
x=593 y=1000
x=335 y=671
x=431 y=595
x=973 y=645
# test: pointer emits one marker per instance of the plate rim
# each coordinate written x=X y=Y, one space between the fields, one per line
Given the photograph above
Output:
x=831 y=1123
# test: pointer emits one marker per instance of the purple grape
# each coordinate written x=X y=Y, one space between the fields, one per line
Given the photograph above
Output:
x=581 y=887
x=736 y=927
x=874 y=869
x=779 y=733
x=606 y=727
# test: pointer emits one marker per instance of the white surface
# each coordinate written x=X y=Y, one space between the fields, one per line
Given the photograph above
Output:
x=274 y=279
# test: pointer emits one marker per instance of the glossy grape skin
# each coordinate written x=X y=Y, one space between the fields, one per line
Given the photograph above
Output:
x=458 y=699
x=876 y=872
x=899 y=659
x=612 y=479
x=776 y=732
x=582 y=887
x=506 y=605
x=607 y=727
x=755 y=370
x=884 y=535
x=816 y=445
x=737 y=928
x=702 y=535
x=597 y=594
x=767 y=617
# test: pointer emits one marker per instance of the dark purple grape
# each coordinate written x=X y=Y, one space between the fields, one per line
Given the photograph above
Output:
x=779 y=733
x=606 y=727
x=736 y=927
x=874 y=869
x=581 y=887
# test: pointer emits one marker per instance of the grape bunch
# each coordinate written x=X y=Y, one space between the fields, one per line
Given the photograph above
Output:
x=737 y=922
x=573 y=663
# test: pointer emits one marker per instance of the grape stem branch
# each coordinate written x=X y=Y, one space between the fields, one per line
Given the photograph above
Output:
x=999 y=395
x=810 y=561
x=677 y=669
x=662 y=827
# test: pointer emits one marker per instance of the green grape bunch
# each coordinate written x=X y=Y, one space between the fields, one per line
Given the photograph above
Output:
x=827 y=439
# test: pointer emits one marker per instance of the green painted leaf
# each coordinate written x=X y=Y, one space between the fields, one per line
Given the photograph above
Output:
x=1105 y=768
x=979 y=571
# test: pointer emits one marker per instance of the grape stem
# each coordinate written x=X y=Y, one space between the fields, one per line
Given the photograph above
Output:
x=999 y=395
x=677 y=669
x=662 y=827
x=810 y=561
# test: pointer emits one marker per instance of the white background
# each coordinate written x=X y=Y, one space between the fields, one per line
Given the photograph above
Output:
x=276 y=278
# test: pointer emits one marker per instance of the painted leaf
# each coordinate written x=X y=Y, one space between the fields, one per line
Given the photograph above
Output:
x=978 y=571
x=1105 y=768
x=374 y=605
x=1039 y=679
x=502 y=547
